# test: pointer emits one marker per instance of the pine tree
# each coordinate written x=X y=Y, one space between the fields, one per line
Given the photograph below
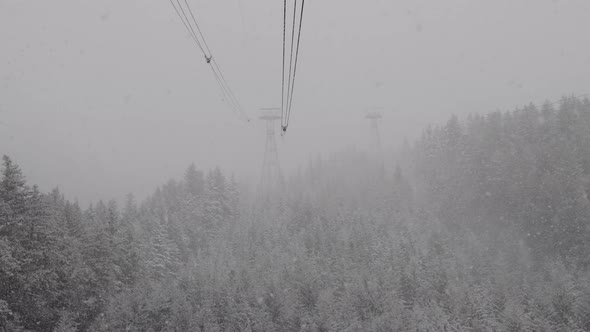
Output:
x=130 y=212
x=112 y=217
x=164 y=257
x=13 y=195
x=194 y=181
x=66 y=323
x=73 y=217
x=233 y=198
x=216 y=204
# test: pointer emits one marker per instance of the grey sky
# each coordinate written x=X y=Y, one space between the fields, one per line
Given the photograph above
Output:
x=108 y=97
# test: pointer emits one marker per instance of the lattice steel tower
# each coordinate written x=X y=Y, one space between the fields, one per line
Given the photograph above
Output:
x=375 y=117
x=271 y=177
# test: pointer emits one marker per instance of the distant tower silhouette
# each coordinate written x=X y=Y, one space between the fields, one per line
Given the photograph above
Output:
x=375 y=117
x=271 y=177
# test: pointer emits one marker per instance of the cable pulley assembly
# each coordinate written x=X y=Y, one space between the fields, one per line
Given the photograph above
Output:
x=194 y=30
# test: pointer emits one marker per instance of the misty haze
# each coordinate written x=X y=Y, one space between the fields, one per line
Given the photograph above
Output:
x=375 y=165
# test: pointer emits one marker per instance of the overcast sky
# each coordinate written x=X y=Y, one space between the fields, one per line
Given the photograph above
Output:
x=107 y=97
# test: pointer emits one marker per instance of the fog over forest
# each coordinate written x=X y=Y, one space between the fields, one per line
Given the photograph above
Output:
x=117 y=90
x=161 y=170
